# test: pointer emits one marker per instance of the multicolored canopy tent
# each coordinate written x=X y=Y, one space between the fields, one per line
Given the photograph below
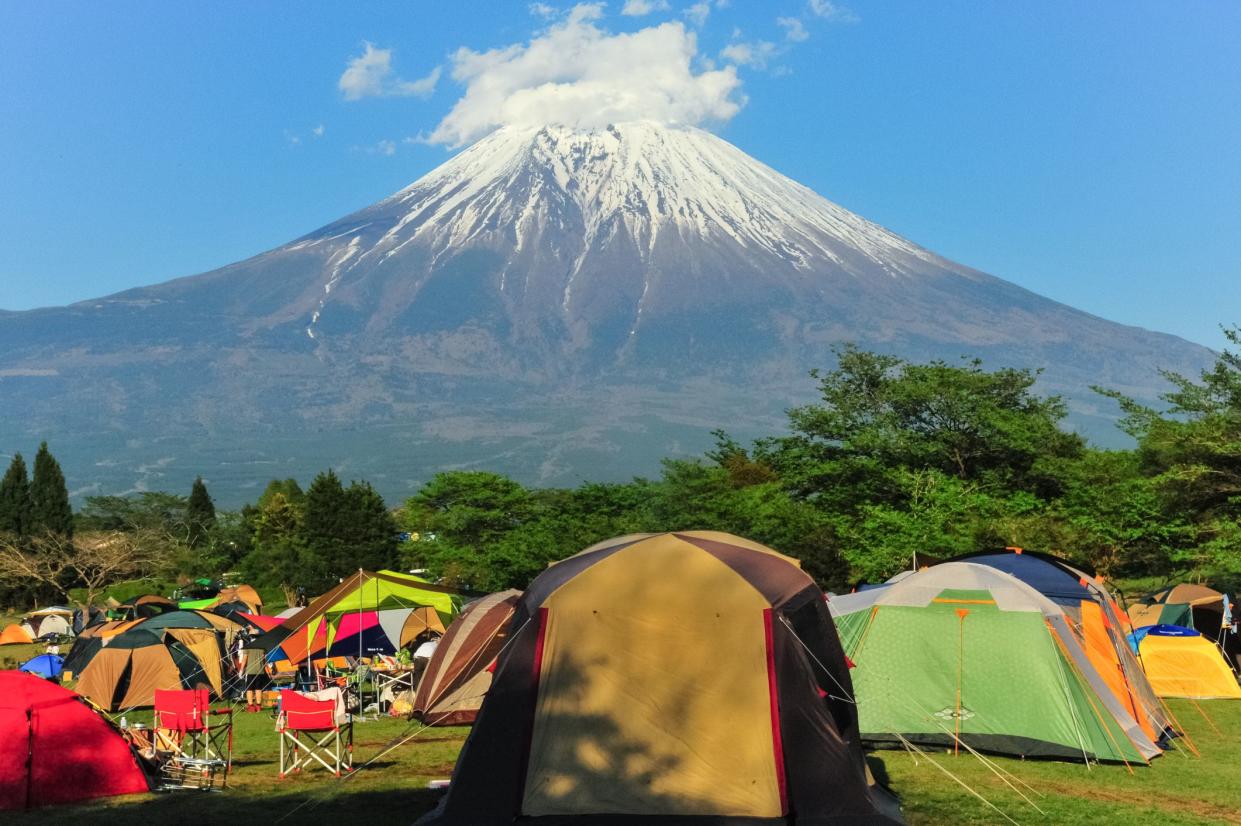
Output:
x=1097 y=620
x=48 y=666
x=966 y=651
x=1181 y=662
x=688 y=678
x=366 y=614
x=458 y=675
x=1204 y=609
x=14 y=635
x=56 y=749
x=56 y=620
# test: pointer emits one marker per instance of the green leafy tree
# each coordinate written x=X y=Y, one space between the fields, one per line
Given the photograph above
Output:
x=199 y=514
x=1114 y=516
x=1192 y=452
x=50 y=512
x=880 y=417
x=278 y=554
x=15 y=499
x=147 y=511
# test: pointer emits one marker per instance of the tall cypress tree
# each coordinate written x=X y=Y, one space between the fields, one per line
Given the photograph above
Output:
x=15 y=499
x=49 y=498
x=326 y=530
x=372 y=530
x=199 y=512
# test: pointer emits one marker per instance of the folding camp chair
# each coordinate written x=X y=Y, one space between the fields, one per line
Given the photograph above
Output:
x=314 y=727
x=198 y=749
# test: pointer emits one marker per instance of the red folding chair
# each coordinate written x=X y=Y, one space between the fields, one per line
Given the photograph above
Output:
x=315 y=729
x=197 y=747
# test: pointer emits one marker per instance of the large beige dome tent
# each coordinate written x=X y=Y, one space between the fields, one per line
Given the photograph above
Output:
x=685 y=678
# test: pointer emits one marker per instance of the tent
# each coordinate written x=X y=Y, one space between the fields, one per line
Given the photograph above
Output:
x=85 y=617
x=365 y=614
x=686 y=678
x=14 y=635
x=1186 y=604
x=1204 y=609
x=48 y=666
x=55 y=621
x=56 y=749
x=147 y=605
x=458 y=675
x=966 y=651
x=180 y=649
x=1098 y=622
x=127 y=672
x=243 y=594
x=1181 y=662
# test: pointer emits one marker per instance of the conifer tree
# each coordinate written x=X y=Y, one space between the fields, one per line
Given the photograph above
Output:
x=372 y=542
x=50 y=512
x=325 y=530
x=15 y=499
x=199 y=513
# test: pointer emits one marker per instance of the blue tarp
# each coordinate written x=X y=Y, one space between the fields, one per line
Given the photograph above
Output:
x=45 y=665
x=1135 y=639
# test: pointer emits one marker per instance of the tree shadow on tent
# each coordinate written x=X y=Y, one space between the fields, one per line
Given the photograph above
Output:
x=593 y=761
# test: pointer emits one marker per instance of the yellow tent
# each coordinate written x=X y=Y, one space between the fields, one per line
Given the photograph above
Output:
x=1180 y=662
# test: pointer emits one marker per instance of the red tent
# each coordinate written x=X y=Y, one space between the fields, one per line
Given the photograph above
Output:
x=54 y=748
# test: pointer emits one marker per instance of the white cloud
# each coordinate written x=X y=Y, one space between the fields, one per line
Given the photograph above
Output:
x=698 y=13
x=832 y=12
x=541 y=10
x=386 y=147
x=793 y=29
x=422 y=87
x=370 y=75
x=318 y=131
x=577 y=74
x=637 y=8
x=755 y=55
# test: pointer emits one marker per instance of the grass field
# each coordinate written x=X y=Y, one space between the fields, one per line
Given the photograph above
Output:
x=1176 y=789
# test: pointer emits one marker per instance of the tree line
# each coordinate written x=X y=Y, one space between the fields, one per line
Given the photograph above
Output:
x=894 y=459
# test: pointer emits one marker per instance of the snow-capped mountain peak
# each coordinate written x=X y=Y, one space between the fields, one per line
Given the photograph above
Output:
x=652 y=179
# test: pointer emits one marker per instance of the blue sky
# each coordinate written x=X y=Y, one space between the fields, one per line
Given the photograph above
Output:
x=1088 y=151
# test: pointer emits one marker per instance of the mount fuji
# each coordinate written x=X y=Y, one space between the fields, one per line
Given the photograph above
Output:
x=559 y=304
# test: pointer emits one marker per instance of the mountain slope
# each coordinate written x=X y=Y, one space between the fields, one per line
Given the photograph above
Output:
x=554 y=303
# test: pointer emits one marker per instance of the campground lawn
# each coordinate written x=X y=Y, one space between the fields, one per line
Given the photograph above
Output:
x=1176 y=789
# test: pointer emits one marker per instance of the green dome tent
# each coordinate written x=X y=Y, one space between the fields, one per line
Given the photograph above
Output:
x=967 y=651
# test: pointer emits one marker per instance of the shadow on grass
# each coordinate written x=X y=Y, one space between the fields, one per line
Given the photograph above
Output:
x=330 y=801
